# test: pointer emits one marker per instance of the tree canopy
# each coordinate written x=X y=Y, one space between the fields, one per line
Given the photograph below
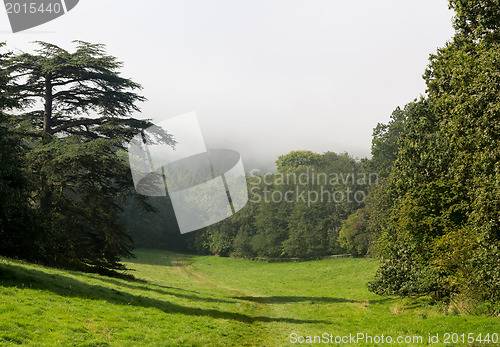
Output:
x=73 y=111
x=444 y=223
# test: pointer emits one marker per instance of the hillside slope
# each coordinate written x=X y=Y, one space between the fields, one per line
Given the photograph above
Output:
x=196 y=300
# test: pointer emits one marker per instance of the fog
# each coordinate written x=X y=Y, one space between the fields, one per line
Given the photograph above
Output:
x=264 y=76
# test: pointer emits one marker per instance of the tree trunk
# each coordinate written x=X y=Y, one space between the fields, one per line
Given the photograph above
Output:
x=47 y=115
x=45 y=192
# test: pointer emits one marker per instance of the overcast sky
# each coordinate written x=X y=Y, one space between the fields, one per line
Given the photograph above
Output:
x=264 y=76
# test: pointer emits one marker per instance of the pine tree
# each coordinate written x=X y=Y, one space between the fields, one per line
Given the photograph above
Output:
x=74 y=111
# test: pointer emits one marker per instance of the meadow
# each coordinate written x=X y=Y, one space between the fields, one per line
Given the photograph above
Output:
x=179 y=299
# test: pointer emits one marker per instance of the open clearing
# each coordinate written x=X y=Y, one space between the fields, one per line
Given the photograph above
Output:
x=203 y=300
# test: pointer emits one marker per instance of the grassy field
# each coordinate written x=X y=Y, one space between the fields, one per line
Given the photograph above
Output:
x=198 y=300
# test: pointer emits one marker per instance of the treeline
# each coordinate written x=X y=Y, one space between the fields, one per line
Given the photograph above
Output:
x=295 y=212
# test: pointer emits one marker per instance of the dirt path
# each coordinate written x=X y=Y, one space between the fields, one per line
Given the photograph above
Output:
x=183 y=266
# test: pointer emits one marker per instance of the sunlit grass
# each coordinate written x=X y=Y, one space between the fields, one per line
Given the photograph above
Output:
x=197 y=300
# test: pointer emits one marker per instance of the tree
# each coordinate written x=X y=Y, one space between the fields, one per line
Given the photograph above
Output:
x=72 y=86
x=308 y=231
x=19 y=236
x=75 y=138
x=421 y=205
x=476 y=19
x=297 y=159
x=355 y=236
x=385 y=142
x=464 y=84
x=443 y=233
x=153 y=229
x=362 y=228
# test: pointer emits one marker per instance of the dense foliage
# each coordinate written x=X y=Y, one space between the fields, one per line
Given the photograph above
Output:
x=442 y=235
x=19 y=235
x=296 y=212
x=155 y=228
x=71 y=112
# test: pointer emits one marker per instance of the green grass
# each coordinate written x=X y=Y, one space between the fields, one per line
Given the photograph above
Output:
x=201 y=300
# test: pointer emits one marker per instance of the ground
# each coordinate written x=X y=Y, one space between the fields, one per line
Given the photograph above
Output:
x=203 y=300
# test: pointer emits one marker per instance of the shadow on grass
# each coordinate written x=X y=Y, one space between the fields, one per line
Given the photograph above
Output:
x=22 y=277
x=161 y=291
x=311 y=299
x=159 y=257
x=289 y=299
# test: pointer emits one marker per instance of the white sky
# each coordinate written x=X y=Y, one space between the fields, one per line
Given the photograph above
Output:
x=264 y=76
